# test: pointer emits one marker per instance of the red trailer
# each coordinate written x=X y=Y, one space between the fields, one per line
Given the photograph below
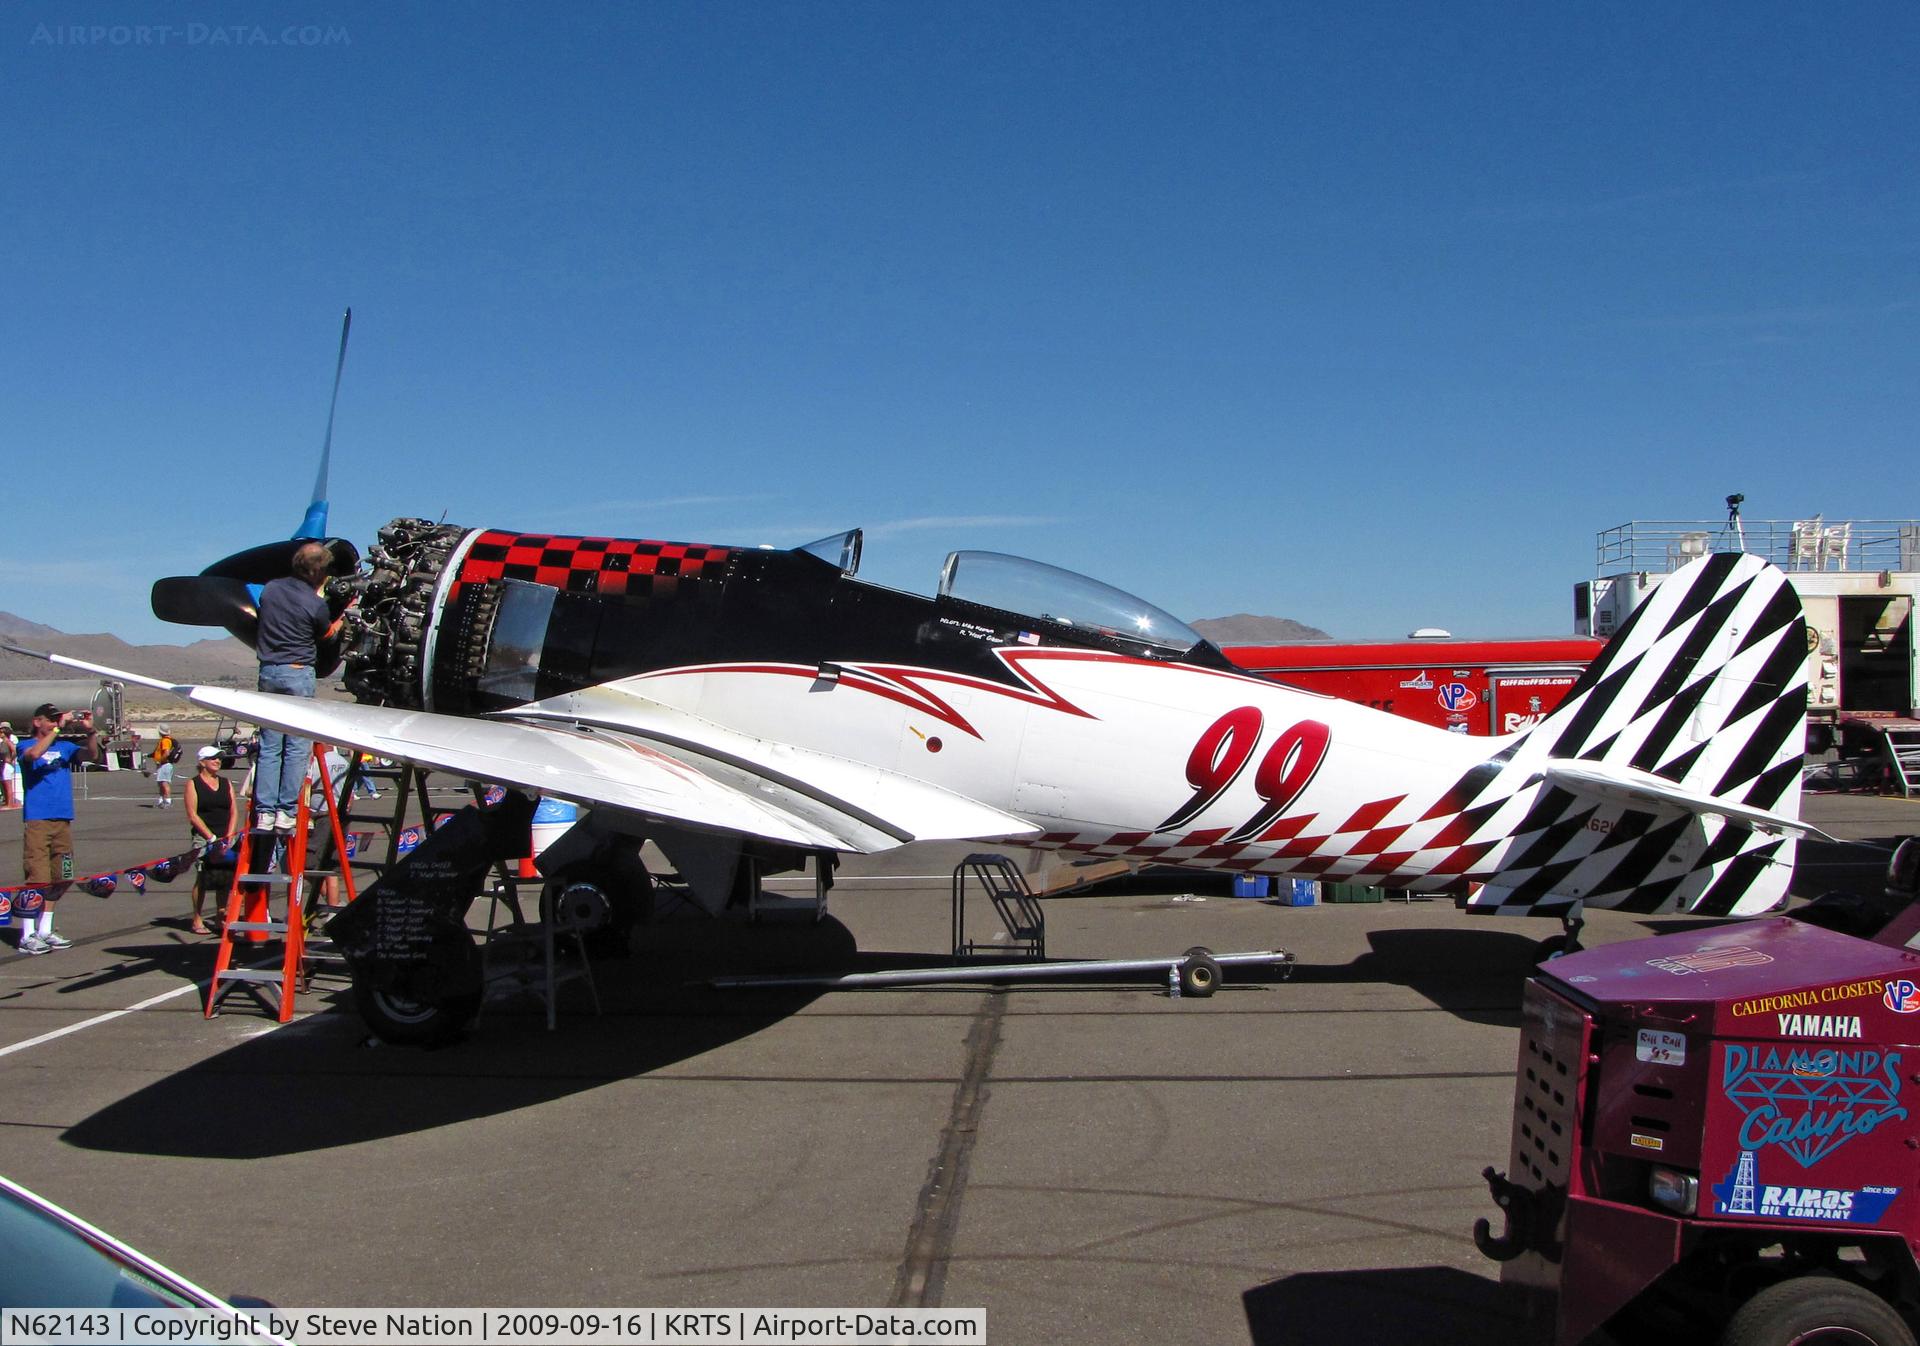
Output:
x=1469 y=686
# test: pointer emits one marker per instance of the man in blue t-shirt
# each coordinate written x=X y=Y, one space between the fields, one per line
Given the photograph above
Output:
x=46 y=767
x=294 y=619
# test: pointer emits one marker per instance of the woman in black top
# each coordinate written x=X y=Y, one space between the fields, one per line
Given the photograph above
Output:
x=214 y=815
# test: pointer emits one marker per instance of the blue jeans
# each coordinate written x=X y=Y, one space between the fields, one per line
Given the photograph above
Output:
x=281 y=773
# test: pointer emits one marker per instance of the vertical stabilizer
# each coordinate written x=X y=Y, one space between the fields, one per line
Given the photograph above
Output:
x=1705 y=686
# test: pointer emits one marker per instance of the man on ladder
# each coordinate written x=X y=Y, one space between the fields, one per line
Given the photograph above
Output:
x=294 y=619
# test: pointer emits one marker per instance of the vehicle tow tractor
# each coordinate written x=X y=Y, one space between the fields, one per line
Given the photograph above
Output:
x=1716 y=1133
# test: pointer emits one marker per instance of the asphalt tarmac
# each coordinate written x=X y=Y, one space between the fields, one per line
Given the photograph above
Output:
x=1285 y=1162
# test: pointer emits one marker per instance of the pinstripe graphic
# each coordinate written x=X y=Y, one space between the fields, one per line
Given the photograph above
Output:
x=1705 y=686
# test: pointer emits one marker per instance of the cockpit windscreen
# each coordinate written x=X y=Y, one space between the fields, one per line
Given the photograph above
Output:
x=1049 y=594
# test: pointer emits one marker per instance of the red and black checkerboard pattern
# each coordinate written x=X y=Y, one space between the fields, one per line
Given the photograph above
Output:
x=617 y=566
x=1362 y=847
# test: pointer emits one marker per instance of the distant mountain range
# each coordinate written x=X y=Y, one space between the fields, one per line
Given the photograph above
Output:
x=1243 y=628
x=224 y=662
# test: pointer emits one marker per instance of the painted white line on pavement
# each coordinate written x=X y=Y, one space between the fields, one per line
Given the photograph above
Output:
x=100 y=1018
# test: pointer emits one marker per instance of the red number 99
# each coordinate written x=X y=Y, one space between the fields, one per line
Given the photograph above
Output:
x=1217 y=761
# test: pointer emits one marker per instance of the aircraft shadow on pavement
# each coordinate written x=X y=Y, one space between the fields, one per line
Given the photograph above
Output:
x=322 y=1082
x=1477 y=975
x=1409 y=1306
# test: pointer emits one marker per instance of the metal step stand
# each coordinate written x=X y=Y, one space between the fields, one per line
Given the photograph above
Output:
x=506 y=950
x=1006 y=887
x=272 y=981
x=1903 y=755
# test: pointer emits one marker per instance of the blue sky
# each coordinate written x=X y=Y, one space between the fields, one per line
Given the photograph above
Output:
x=1369 y=315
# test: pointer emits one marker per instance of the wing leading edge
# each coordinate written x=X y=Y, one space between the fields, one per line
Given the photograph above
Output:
x=813 y=801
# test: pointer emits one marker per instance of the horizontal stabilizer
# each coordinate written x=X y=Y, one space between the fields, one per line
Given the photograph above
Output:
x=1632 y=788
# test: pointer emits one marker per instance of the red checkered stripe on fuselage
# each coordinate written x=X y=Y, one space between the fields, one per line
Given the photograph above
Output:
x=1367 y=844
x=586 y=564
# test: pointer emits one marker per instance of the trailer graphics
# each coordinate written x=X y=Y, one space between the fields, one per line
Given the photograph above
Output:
x=1742 y=1193
x=1468 y=686
x=1808 y=1104
x=1820 y=1026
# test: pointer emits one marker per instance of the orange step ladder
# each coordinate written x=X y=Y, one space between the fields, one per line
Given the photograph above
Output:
x=249 y=920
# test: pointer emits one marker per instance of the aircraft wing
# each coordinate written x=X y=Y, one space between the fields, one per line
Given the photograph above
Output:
x=1637 y=789
x=811 y=802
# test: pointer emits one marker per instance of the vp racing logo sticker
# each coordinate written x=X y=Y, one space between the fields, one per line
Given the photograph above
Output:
x=1457 y=696
x=1901 y=996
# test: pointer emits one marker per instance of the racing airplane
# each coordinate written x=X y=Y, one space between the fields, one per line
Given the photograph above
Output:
x=749 y=709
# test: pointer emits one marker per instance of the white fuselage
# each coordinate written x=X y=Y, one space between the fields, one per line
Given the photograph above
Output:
x=1109 y=754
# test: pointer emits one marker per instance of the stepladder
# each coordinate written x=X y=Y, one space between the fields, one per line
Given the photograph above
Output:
x=272 y=865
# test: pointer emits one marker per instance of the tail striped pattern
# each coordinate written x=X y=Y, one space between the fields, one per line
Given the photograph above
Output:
x=1705 y=685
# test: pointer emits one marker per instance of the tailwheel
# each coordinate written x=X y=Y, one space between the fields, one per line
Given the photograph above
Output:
x=1554 y=946
x=1572 y=922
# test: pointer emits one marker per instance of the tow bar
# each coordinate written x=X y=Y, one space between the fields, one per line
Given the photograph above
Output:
x=1197 y=972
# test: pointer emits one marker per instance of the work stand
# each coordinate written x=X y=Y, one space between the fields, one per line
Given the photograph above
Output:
x=1019 y=909
x=522 y=957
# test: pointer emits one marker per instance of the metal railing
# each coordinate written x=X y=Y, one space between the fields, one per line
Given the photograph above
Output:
x=1657 y=546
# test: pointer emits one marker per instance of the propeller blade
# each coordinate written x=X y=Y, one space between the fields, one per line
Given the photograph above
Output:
x=207 y=600
x=271 y=560
x=315 y=524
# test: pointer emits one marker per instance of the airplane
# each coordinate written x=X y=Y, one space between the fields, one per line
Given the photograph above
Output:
x=748 y=710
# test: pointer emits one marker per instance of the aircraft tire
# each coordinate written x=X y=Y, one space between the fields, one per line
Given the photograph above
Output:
x=1816 y=1308
x=438 y=1003
x=1199 y=975
x=628 y=888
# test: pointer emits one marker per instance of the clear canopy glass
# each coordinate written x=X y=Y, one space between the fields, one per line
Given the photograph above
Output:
x=841 y=550
x=1059 y=597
